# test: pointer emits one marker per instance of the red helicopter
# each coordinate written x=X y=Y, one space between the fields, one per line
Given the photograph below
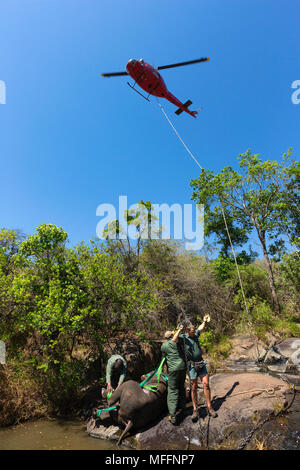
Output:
x=150 y=80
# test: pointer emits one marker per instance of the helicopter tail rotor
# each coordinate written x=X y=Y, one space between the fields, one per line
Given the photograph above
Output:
x=186 y=105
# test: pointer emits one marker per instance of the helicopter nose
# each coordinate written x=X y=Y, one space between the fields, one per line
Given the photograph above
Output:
x=130 y=63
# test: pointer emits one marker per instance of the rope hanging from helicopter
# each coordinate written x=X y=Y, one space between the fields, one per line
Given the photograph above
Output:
x=222 y=209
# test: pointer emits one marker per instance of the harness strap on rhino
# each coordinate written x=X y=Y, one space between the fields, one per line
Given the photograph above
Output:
x=158 y=372
x=106 y=409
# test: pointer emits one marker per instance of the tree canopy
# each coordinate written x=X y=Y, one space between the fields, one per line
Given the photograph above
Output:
x=261 y=198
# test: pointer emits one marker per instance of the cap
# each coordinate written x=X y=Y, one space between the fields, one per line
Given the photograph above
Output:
x=168 y=334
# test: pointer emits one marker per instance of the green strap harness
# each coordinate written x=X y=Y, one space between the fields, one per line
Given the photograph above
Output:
x=158 y=372
x=151 y=388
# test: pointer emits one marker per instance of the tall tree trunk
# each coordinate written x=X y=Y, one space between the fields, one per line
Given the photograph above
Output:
x=262 y=239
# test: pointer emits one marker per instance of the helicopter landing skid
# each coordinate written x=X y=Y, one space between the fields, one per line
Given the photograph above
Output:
x=146 y=98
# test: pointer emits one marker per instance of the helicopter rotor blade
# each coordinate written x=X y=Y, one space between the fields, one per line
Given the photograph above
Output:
x=114 y=74
x=179 y=64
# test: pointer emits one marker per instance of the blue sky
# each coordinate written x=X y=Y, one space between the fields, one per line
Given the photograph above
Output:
x=71 y=140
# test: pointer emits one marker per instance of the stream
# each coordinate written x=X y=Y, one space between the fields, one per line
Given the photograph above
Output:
x=54 y=434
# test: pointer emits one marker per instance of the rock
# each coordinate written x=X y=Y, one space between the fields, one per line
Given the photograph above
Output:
x=295 y=357
x=284 y=357
x=293 y=363
x=246 y=347
x=288 y=346
x=248 y=354
x=111 y=433
x=273 y=357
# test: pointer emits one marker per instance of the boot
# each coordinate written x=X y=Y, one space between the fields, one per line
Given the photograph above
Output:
x=173 y=420
x=212 y=412
x=195 y=416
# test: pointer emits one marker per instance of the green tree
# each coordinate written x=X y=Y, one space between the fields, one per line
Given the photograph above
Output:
x=119 y=240
x=45 y=289
x=258 y=198
x=64 y=294
x=9 y=245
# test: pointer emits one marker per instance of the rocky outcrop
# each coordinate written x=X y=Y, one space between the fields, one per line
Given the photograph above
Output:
x=246 y=347
x=289 y=349
x=284 y=358
x=249 y=353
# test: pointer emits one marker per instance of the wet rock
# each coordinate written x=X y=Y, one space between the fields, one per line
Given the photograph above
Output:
x=274 y=357
x=284 y=357
x=291 y=349
x=110 y=432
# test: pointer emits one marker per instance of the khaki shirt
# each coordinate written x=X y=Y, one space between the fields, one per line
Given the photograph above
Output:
x=174 y=354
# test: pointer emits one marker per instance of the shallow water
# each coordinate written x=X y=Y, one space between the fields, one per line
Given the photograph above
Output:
x=55 y=434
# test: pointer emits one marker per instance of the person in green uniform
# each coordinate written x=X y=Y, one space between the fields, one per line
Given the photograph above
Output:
x=197 y=367
x=173 y=351
x=115 y=372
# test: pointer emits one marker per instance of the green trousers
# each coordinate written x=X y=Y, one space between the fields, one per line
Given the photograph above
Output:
x=176 y=392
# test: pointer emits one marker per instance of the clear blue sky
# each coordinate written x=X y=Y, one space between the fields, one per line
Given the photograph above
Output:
x=71 y=140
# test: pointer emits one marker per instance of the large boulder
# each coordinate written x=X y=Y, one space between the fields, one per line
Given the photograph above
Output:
x=246 y=347
x=284 y=357
x=250 y=354
x=290 y=350
x=247 y=353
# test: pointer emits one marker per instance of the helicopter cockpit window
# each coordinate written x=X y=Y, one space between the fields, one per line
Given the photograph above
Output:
x=141 y=61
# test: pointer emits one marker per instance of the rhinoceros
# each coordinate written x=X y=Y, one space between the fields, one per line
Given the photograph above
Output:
x=137 y=406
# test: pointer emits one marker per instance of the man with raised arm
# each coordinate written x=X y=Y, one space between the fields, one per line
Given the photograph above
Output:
x=173 y=351
x=197 y=367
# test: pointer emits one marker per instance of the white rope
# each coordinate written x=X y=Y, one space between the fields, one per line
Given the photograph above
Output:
x=176 y=132
x=228 y=234
x=236 y=264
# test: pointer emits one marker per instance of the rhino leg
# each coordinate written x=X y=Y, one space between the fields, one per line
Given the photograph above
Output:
x=127 y=428
x=115 y=396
